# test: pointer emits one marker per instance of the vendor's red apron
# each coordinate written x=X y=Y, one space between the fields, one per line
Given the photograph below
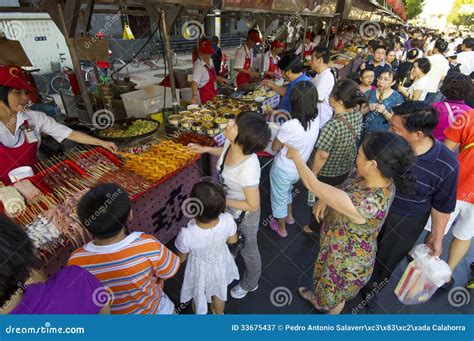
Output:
x=11 y=158
x=209 y=90
x=307 y=51
x=272 y=67
x=243 y=78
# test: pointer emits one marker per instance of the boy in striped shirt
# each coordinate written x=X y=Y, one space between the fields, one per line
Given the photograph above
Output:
x=132 y=267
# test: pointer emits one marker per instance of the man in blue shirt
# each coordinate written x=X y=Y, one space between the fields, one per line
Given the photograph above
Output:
x=292 y=71
x=436 y=169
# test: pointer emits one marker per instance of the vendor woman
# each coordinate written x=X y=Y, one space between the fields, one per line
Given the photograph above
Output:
x=271 y=59
x=306 y=47
x=244 y=59
x=21 y=128
x=205 y=75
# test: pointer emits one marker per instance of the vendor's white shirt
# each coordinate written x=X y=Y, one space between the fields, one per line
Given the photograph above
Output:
x=317 y=40
x=439 y=70
x=466 y=59
x=42 y=123
x=240 y=55
x=266 y=60
x=299 y=50
x=292 y=133
x=324 y=82
x=200 y=72
x=238 y=177
x=420 y=84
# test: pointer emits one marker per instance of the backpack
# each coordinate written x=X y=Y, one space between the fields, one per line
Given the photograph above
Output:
x=454 y=69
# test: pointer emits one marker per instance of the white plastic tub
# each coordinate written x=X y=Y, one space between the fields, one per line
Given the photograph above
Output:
x=148 y=100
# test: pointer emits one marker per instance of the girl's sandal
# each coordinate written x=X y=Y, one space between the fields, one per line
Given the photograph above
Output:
x=308 y=295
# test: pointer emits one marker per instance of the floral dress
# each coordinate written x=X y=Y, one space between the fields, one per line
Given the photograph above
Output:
x=347 y=254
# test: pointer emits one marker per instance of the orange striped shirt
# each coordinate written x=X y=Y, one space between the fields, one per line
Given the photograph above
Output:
x=133 y=269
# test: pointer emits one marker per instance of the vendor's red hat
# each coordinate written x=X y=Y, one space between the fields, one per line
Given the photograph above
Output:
x=14 y=76
x=255 y=36
x=277 y=44
x=205 y=47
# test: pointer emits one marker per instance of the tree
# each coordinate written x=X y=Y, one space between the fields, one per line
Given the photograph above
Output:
x=462 y=13
x=413 y=8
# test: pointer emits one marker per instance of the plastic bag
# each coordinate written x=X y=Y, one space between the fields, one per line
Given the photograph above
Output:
x=423 y=276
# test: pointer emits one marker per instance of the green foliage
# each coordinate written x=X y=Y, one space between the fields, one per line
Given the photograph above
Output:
x=457 y=18
x=413 y=8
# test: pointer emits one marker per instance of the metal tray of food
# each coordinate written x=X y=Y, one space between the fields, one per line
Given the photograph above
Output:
x=124 y=130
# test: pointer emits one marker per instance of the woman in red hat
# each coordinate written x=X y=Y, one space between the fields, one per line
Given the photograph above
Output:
x=244 y=57
x=270 y=61
x=21 y=128
x=306 y=47
x=204 y=75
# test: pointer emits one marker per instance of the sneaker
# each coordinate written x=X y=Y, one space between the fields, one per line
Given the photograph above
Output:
x=238 y=292
x=290 y=221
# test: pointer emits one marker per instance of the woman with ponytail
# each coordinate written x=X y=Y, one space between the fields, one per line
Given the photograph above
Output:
x=336 y=149
x=353 y=217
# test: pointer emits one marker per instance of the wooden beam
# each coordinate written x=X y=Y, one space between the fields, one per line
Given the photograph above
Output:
x=171 y=15
x=51 y=7
x=88 y=14
x=71 y=15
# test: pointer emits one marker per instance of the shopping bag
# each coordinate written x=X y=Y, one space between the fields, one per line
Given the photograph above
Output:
x=423 y=276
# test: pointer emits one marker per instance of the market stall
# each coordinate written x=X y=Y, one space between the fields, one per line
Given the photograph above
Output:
x=158 y=177
x=153 y=164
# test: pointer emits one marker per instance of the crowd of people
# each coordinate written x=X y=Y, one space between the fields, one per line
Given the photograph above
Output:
x=383 y=154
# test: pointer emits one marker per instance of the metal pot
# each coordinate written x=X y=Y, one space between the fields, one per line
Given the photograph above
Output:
x=122 y=87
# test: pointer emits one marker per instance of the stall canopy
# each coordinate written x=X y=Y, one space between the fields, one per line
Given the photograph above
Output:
x=320 y=8
x=67 y=14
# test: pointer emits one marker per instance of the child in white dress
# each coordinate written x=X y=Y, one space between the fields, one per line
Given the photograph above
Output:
x=210 y=267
